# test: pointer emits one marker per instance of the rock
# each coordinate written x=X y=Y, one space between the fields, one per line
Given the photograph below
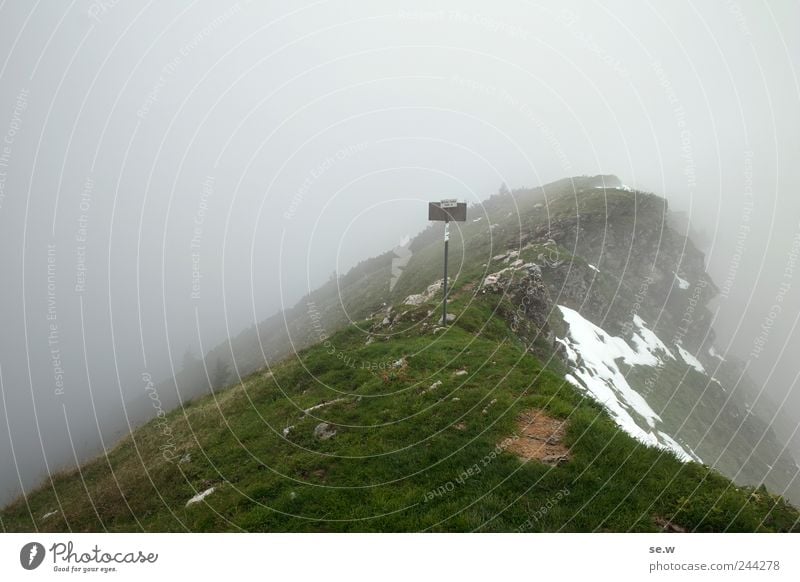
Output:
x=417 y=299
x=386 y=321
x=323 y=431
x=427 y=295
x=461 y=372
x=491 y=281
x=401 y=363
x=668 y=526
x=185 y=459
x=516 y=263
x=323 y=405
x=451 y=317
x=370 y=339
x=437 y=329
x=500 y=257
x=435 y=385
x=287 y=430
x=200 y=496
x=555 y=459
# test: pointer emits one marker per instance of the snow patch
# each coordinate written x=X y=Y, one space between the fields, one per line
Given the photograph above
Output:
x=594 y=353
x=691 y=360
x=682 y=283
x=715 y=354
x=648 y=342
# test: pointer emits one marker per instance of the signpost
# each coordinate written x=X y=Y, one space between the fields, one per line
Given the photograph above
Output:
x=445 y=211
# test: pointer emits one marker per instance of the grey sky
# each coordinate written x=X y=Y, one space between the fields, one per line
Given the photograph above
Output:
x=263 y=146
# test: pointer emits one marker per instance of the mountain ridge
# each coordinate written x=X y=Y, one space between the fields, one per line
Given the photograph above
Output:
x=525 y=265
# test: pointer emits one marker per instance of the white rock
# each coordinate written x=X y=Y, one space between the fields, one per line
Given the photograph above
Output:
x=323 y=405
x=416 y=299
x=323 y=431
x=200 y=496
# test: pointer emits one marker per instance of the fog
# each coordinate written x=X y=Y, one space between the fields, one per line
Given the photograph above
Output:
x=174 y=172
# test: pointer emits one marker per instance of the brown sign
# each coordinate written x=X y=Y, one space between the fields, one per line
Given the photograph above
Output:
x=447 y=210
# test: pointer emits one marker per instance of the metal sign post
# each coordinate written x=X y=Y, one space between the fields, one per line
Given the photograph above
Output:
x=445 y=211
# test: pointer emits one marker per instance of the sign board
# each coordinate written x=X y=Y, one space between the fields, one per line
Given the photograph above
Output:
x=447 y=210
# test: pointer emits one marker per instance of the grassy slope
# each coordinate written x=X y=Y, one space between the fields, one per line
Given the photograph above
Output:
x=394 y=447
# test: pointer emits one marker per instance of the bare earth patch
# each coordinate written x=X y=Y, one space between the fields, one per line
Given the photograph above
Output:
x=539 y=437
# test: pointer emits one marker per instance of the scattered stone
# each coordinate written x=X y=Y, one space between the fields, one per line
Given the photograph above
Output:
x=461 y=372
x=437 y=329
x=555 y=460
x=401 y=363
x=386 y=321
x=370 y=339
x=451 y=317
x=323 y=431
x=460 y=426
x=435 y=385
x=486 y=408
x=456 y=399
x=185 y=459
x=287 y=430
x=427 y=295
x=417 y=299
x=539 y=437
x=491 y=280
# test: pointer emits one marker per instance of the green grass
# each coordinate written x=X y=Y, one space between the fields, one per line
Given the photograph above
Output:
x=403 y=459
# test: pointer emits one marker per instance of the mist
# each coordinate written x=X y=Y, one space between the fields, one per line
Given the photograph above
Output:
x=173 y=173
